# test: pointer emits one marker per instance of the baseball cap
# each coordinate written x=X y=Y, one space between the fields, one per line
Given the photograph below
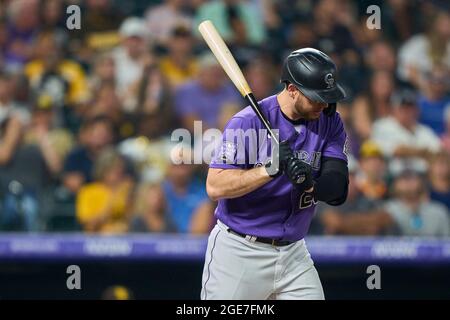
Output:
x=132 y=27
x=404 y=97
x=370 y=149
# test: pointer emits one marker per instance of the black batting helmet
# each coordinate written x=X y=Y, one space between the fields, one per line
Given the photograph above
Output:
x=314 y=74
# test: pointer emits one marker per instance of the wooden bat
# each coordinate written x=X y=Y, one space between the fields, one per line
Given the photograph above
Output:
x=228 y=63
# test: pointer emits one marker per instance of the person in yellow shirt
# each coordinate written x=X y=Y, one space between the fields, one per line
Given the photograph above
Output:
x=102 y=206
x=371 y=178
x=179 y=65
x=49 y=73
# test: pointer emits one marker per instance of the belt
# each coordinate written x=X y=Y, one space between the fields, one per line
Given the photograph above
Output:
x=273 y=242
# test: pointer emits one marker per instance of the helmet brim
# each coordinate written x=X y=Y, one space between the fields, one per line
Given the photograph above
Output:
x=332 y=95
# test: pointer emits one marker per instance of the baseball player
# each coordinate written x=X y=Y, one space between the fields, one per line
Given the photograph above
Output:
x=257 y=249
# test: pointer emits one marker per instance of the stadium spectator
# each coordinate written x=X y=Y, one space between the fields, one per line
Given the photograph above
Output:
x=13 y=118
x=148 y=149
x=401 y=135
x=204 y=98
x=53 y=20
x=150 y=211
x=422 y=52
x=359 y=215
x=371 y=179
x=380 y=56
x=161 y=20
x=98 y=135
x=103 y=205
x=49 y=66
x=22 y=29
x=35 y=163
x=302 y=35
x=179 y=65
x=331 y=24
x=435 y=89
x=260 y=76
x=15 y=201
x=187 y=201
x=365 y=37
x=414 y=214
x=445 y=137
x=106 y=104
x=104 y=71
x=439 y=177
x=373 y=105
x=54 y=143
x=132 y=55
x=100 y=22
x=62 y=79
x=101 y=16
x=234 y=20
x=150 y=93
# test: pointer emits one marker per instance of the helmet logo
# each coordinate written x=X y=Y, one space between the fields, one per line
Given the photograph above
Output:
x=329 y=80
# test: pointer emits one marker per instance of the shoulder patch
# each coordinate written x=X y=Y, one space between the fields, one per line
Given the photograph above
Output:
x=227 y=152
x=346 y=149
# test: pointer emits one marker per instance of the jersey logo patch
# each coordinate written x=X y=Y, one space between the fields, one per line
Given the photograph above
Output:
x=312 y=159
x=346 y=149
x=228 y=152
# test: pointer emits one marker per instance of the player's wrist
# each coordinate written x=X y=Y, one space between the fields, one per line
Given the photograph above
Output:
x=272 y=169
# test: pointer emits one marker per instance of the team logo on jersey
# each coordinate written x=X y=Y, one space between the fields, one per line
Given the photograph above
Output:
x=329 y=80
x=302 y=155
x=312 y=159
x=228 y=152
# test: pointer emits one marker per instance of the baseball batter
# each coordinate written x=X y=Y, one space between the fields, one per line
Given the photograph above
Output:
x=257 y=248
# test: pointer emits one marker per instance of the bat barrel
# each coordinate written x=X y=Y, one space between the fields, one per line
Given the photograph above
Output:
x=228 y=63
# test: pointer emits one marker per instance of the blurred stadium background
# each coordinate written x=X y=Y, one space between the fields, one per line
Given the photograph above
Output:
x=86 y=117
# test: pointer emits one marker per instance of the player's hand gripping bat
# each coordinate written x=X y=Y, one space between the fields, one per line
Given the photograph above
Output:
x=228 y=63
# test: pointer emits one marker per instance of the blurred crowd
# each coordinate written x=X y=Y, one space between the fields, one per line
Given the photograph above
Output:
x=86 y=115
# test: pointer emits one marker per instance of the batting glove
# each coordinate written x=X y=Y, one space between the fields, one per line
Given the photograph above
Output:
x=300 y=174
x=281 y=157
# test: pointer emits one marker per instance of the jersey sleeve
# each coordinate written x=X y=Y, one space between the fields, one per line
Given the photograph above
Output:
x=337 y=144
x=233 y=150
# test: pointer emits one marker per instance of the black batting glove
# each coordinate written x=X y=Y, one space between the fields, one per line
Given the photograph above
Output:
x=281 y=157
x=330 y=110
x=300 y=174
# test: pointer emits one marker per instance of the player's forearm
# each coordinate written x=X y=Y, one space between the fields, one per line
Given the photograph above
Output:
x=233 y=183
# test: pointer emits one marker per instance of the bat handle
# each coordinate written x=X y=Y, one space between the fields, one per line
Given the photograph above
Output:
x=254 y=104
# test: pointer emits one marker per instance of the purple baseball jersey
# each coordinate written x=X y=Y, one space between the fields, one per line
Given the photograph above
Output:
x=276 y=210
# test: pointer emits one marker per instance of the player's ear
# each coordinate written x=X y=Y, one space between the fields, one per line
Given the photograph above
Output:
x=292 y=90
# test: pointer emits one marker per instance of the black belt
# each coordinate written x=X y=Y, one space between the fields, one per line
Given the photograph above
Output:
x=274 y=242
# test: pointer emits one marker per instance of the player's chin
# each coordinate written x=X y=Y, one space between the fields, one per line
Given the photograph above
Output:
x=314 y=115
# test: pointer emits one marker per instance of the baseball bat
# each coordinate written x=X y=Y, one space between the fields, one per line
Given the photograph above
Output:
x=228 y=63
